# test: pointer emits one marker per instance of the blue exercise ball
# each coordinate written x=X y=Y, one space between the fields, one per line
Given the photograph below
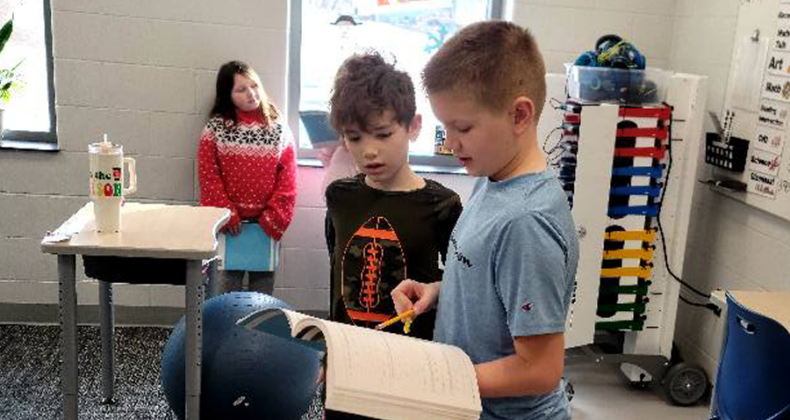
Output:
x=245 y=374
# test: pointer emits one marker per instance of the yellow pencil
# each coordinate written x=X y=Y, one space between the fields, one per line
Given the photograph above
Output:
x=391 y=321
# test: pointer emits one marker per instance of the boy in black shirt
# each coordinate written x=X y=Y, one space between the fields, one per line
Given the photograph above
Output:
x=386 y=224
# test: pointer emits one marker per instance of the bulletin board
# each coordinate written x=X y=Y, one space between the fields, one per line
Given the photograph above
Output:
x=757 y=105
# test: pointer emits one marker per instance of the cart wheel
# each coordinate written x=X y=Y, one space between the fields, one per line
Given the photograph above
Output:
x=569 y=391
x=685 y=384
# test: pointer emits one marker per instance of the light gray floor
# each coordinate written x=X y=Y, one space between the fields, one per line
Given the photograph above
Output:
x=602 y=392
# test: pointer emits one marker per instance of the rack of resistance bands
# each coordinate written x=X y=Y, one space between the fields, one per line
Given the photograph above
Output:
x=623 y=167
x=568 y=147
x=634 y=190
x=634 y=200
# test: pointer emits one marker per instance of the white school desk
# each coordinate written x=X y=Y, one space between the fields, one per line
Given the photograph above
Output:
x=155 y=231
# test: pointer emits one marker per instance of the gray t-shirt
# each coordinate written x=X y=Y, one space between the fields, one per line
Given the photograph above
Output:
x=511 y=266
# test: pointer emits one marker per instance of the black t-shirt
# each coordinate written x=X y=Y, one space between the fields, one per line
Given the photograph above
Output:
x=376 y=239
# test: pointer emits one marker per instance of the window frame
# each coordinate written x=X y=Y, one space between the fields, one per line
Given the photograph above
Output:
x=40 y=140
x=495 y=12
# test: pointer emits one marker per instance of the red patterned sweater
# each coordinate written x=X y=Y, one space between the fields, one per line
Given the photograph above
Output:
x=249 y=169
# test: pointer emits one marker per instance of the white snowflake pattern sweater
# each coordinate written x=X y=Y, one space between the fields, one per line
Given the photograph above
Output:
x=249 y=169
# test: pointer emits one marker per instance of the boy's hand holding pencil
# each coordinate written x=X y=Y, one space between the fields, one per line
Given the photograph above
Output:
x=414 y=296
x=406 y=317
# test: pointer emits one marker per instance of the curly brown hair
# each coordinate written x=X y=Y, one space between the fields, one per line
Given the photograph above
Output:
x=494 y=61
x=367 y=85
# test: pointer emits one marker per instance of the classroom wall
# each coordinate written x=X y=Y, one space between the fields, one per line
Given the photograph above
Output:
x=731 y=245
x=565 y=28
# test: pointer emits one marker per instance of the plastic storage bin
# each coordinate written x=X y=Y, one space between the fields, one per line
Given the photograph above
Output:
x=604 y=84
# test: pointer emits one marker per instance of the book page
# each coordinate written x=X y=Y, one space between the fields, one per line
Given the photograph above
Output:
x=258 y=320
x=373 y=373
x=295 y=318
x=283 y=323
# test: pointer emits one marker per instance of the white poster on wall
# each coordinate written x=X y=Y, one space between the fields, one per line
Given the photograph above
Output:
x=773 y=114
x=776 y=88
x=782 y=40
x=765 y=162
x=778 y=63
x=769 y=140
x=761 y=184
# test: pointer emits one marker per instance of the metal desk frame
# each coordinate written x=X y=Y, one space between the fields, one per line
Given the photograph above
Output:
x=149 y=231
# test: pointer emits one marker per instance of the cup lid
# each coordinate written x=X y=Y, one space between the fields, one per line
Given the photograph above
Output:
x=105 y=148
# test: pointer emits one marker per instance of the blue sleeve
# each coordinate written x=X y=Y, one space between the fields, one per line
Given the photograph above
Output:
x=530 y=273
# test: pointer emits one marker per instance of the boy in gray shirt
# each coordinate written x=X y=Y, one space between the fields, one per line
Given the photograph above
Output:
x=512 y=257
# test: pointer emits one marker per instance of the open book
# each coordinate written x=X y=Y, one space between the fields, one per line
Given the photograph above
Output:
x=382 y=375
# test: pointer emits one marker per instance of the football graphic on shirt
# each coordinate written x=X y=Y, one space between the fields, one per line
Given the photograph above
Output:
x=373 y=264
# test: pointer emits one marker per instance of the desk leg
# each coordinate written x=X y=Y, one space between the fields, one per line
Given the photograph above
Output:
x=67 y=278
x=194 y=338
x=107 y=327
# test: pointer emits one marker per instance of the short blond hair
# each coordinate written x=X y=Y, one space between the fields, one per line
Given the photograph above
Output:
x=494 y=61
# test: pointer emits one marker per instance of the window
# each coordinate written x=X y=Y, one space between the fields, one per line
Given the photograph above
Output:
x=325 y=32
x=30 y=114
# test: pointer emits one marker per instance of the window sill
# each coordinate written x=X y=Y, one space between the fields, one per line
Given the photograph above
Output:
x=419 y=168
x=28 y=145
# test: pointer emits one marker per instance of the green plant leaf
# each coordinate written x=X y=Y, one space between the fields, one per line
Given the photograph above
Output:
x=5 y=33
x=9 y=78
